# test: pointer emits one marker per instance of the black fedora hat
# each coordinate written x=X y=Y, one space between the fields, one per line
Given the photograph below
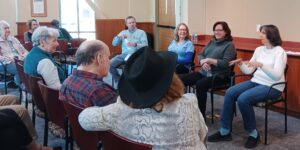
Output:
x=147 y=77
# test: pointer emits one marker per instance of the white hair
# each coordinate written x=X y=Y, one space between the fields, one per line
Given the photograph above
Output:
x=3 y=24
x=43 y=33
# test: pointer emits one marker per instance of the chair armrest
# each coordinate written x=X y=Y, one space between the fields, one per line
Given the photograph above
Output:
x=232 y=78
x=272 y=86
x=228 y=72
x=194 y=67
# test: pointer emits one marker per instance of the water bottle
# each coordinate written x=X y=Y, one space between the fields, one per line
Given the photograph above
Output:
x=209 y=73
x=195 y=38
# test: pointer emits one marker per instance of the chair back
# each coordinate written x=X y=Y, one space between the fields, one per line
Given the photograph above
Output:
x=23 y=76
x=63 y=46
x=55 y=108
x=75 y=42
x=150 y=40
x=84 y=139
x=20 y=38
x=20 y=70
x=28 y=46
x=36 y=92
x=113 y=141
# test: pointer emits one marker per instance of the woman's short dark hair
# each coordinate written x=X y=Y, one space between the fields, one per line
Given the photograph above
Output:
x=272 y=34
x=225 y=28
x=29 y=23
x=187 y=32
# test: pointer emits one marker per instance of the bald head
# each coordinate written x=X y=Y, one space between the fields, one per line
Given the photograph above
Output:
x=88 y=51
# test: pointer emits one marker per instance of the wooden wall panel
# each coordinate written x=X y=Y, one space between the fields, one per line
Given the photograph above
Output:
x=166 y=12
x=106 y=29
x=165 y=37
x=22 y=27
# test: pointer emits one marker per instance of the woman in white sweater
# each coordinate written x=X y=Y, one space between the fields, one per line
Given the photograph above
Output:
x=268 y=62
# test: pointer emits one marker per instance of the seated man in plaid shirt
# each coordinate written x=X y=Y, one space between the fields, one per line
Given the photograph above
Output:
x=85 y=86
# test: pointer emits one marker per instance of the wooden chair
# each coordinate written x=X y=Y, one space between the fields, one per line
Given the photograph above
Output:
x=22 y=87
x=75 y=42
x=28 y=46
x=55 y=108
x=39 y=102
x=63 y=46
x=84 y=139
x=268 y=103
x=113 y=141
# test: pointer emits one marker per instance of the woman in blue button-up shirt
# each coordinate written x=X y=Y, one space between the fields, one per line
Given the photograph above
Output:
x=184 y=48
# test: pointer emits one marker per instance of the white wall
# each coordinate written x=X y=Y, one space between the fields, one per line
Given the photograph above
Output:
x=8 y=13
x=243 y=16
x=143 y=10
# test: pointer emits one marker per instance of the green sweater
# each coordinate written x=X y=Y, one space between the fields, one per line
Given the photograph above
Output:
x=223 y=50
x=34 y=57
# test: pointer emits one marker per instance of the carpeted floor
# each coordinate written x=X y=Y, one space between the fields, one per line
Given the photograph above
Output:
x=277 y=139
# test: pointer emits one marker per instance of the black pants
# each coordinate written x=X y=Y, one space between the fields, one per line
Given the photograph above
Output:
x=202 y=83
x=13 y=132
x=181 y=69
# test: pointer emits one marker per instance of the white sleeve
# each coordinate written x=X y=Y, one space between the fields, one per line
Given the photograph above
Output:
x=48 y=71
x=276 y=72
x=99 y=118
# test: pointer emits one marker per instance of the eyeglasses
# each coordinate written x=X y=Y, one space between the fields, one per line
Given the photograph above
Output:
x=218 y=30
x=182 y=30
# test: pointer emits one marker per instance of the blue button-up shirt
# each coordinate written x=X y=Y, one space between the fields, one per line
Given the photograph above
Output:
x=137 y=36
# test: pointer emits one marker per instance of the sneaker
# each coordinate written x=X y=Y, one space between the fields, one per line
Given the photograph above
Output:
x=252 y=142
x=218 y=137
x=12 y=85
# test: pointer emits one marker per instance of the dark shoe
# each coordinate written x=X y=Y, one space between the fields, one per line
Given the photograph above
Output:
x=252 y=142
x=12 y=85
x=218 y=137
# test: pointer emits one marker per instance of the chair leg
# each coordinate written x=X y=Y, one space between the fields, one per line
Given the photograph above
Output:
x=46 y=130
x=71 y=138
x=26 y=100
x=266 y=125
x=285 y=117
x=5 y=84
x=212 y=106
x=33 y=113
x=66 y=133
x=20 y=90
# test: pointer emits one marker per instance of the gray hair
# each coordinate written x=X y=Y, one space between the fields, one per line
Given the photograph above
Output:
x=3 y=24
x=88 y=51
x=43 y=33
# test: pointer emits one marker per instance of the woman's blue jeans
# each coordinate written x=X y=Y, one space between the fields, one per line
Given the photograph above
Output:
x=246 y=94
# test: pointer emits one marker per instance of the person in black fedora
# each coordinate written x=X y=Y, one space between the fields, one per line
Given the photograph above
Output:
x=151 y=108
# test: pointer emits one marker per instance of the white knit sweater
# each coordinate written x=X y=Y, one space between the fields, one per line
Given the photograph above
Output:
x=274 y=62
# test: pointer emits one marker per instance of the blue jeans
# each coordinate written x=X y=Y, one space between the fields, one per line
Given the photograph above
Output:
x=246 y=94
x=114 y=64
x=11 y=68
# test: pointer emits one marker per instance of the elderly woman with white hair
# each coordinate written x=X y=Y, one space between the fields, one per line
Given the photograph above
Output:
x=10 y=47
x=39 y=61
